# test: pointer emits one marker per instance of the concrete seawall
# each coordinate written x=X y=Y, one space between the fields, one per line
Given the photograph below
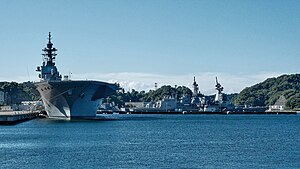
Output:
x=14 y=117
x=189 y=112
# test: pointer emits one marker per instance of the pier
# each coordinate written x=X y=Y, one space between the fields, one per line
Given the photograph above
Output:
x=14 y=117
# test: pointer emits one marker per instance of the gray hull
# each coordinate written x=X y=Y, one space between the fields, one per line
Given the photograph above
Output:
x=73 y=99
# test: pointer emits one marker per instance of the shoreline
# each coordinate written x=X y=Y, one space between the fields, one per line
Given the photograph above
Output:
x=207 y=113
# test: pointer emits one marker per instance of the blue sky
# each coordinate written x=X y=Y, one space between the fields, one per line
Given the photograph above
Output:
x=138 y=43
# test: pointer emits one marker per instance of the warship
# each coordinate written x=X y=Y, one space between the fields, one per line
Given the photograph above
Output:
x=65 y=98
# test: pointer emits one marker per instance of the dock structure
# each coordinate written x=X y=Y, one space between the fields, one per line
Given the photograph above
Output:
x=14 y=117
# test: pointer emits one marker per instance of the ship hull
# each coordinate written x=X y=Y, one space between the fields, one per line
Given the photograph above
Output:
x=73 y=99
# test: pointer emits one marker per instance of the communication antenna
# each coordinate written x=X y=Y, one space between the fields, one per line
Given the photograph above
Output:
x=195 y=87
x=219 y=88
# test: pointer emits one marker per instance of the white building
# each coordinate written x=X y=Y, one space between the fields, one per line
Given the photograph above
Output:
x=136 y=104
x=279 y=104
x=167 y=104
x=29 y=105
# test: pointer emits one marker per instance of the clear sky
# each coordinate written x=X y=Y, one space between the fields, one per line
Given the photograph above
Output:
x=140 y=42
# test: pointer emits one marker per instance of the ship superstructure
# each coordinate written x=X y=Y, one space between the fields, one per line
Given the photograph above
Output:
x=197 y=96
x=219 y=94
x=67 y=98
x=48 y=69
x=220 y=102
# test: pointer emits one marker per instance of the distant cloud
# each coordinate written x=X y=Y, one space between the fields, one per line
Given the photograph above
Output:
x=232 y=83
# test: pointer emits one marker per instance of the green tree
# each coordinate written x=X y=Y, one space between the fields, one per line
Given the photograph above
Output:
x=266 y=93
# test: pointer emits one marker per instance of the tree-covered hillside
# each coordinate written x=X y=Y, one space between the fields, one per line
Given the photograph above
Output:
x=153 y=95
x=261 y=94
x=17 y=92
x=267 y=92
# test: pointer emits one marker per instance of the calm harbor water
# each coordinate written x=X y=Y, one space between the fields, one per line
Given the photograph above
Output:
x=154 y=141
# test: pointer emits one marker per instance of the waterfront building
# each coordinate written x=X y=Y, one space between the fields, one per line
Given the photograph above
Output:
x=136 y=104
x=167 y=104
x=30 y=105
x=279 y=104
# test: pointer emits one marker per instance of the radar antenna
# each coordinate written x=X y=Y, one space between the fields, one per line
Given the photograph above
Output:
x=219 y=88
x=196 y=88
x=49 y=52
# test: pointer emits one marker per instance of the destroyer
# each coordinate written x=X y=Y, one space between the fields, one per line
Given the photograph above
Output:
x=66 y=98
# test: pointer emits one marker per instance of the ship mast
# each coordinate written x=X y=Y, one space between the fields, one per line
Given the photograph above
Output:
x=50 y=52
x=219 y=89
x=195 y=87
x=48 y=69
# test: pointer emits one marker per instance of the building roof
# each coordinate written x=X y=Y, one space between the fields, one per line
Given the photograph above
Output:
x=281 y=101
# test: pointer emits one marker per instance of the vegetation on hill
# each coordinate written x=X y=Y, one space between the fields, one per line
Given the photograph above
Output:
x=268 y=92
x=15 y=92
x=261 y=94
x=153 y=95
x=167 y=91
